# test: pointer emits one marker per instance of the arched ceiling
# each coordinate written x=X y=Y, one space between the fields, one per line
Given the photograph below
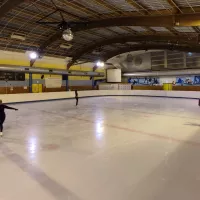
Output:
x=110 y=54
x=102 y=25
x=148 y=39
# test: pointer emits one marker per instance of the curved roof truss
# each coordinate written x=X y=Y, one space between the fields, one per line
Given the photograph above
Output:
x=142 y=38
x=147 y=21
x=111 y=54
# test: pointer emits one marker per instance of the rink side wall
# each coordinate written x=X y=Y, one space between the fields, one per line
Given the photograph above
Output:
x=37 y=97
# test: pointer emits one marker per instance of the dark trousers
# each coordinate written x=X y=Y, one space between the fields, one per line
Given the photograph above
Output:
x=76 y=101
x=2 y=119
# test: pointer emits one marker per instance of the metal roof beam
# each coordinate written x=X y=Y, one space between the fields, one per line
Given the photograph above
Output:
x=173 y=31
x=141 y=8
x=174 y=6
x=196 y=29
x=148 y=21
x=9 y=5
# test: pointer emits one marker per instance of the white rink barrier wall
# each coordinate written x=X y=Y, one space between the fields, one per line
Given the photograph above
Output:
x=32 y=97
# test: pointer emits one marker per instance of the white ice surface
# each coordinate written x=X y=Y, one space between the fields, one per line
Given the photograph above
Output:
x=109 y=148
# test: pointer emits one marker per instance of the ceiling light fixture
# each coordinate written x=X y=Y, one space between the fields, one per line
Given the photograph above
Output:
x=18 y=37
x=33 y=55
x=68 y=35
x=100 y=64
x=177 y=23
x=66 y=46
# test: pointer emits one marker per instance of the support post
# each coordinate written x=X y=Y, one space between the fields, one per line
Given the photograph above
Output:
x=93 y=83
x=184 y=60
x=30 y=82
x=67 y=83
x=165 y=59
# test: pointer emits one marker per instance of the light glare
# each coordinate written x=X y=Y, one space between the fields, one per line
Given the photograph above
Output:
x=100 y=64
x=33 y=55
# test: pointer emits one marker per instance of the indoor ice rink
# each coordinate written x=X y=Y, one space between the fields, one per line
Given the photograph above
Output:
x=106 y=148
x=133 y=68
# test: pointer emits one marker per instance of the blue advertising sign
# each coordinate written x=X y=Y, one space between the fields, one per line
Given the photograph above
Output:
x=144 y=81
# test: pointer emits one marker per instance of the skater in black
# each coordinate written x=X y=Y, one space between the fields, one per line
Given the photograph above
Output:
x=76 y=97
x=3 y=115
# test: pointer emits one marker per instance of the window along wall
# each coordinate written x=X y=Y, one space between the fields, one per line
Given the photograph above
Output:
x=174 y=60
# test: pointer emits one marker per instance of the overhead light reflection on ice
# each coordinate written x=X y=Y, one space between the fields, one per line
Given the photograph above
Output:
x=32 y=146
x=99 y=130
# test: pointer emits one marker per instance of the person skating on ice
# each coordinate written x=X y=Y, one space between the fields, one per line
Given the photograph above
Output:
x=76 y=97
x=3 y=115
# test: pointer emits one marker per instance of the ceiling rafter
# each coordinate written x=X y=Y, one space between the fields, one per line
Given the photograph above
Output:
x=30 y=13
x=176 y=10
x=21 y=17
x=115 y=10
x=140 y=8
x=91 y=18
x=26 y=42
x=78 y=7
x=9 y=5
x=172 y=30
x=150 y=30
x=126 y=28
x=112 y=8
x=167 y=39
x=190 y=6
x=148 y=21
x=86 y=10
x=43 y=6
x=196 y=29
x=10 y=30
x=175 y=7
x=143 y=10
